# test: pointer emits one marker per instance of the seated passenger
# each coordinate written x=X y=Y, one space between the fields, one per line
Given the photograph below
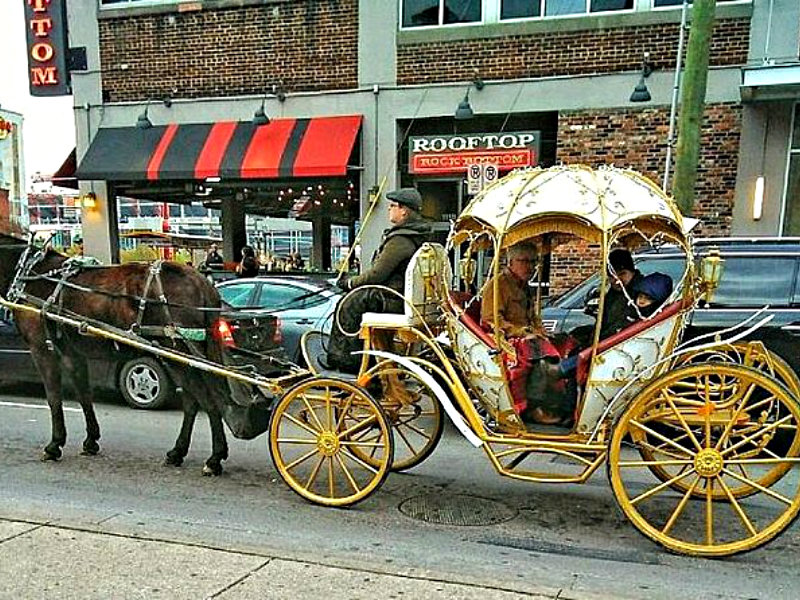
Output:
x=516 y=305
x=535 y=398
x=649 y=294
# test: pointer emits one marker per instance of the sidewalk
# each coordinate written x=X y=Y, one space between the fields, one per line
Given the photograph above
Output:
x=40 y=561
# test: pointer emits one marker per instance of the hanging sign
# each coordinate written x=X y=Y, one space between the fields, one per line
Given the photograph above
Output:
x=46 y=26
x=442 y=154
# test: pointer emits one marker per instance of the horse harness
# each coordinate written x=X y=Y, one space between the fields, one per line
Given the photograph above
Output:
x=71 y=267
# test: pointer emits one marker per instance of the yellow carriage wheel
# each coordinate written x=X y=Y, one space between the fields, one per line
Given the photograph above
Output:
x=316 y=443
x=413 y=412
x=719 y=450
x=785 y=441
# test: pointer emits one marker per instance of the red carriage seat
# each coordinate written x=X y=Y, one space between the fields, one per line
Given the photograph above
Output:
x=630 y=331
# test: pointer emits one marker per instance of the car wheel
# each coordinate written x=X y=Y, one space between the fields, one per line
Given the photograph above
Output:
x=144 y=383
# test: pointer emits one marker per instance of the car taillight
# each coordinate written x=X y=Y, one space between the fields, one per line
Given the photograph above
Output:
x=224 y=333
x=277 y=337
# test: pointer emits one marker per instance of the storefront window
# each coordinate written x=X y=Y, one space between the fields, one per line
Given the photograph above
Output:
x=791 y=221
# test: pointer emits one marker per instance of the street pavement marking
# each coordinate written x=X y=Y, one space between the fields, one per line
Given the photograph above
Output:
x=23 y=405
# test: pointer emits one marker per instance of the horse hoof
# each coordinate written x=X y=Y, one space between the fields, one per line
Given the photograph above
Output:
x=209 y=471
x=46 y=456
x=90 y=449
x=173 y=461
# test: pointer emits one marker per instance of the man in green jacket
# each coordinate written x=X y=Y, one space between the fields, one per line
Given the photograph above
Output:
x=388 y=269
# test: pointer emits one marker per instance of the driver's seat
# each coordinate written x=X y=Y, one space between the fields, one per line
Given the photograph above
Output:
x=427 y=275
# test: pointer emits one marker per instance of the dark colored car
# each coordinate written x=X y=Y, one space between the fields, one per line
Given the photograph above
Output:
x=301 y=303
x=141 y=378
x=757 y=273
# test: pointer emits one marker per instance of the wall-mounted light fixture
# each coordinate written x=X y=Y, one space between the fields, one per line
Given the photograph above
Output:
x=260 y=116
x=279 y=92
x=464 y=110
x=89 y=200
x=143 y=122
x=758 y=198
x=640 y=92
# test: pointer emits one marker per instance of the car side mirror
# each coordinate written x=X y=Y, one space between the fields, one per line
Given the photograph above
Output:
x=591 y=301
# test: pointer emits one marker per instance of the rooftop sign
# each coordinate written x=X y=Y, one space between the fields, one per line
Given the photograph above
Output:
x=442 y=154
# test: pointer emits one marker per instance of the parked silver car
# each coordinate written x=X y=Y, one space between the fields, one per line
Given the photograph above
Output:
x=301 y=304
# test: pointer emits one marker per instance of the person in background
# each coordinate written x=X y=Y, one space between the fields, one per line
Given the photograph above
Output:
x=213 y=258
x=248 y=266
x=408 y=232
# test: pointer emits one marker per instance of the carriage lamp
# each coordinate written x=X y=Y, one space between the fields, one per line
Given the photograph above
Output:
x=711 y=270
x=89 y=200
x=467 y=267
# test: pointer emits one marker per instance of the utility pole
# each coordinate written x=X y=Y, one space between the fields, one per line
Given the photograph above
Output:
x=693 y=97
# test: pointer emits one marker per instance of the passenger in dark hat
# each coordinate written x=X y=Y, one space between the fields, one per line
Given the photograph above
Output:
x=399 y=243
x=617 y=307
x=651 y=292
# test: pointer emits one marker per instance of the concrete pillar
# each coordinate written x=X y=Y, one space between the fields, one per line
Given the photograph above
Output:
x=234 y=232
x=321 y=249
x=99 y=223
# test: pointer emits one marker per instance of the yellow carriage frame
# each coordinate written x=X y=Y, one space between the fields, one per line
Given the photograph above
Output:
x=705 y=419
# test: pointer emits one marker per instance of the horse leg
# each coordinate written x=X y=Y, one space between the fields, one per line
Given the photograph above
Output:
x=85 y=396
x=47 y=364
x=181 y=449
x=219 y=445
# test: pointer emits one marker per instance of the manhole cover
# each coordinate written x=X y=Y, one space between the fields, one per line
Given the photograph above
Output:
x=456 y=509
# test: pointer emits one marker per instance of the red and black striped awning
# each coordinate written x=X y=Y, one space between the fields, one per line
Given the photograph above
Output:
x=315 y=147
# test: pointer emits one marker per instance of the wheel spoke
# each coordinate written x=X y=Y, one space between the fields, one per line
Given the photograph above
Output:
x=405 y=440
x=344 y=413
x=762 y=461
x=313 y=475
x=708 y=408
x=357 y=460
x=737 y=507
x=358 y=426
x=331 y=485
x=417 y=430
x=301 y=459
x=710 y=512
x=329 y=408
x=653 y=463
x=655 y=434
x=300 y=424
x=306 y=441
x=753 y=436
x=684 y=424
x=661 y=487
x=660 y=450
x=732 y=422
x=347 y=474
x=759 y=487
x=312 y=413
x=681 y=505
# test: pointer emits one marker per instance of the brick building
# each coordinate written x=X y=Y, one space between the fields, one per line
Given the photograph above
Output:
x=553 y=76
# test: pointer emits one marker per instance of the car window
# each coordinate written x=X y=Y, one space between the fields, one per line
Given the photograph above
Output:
x=237 y=294
x=284 y=295
x=278 y=296
x=756 y=281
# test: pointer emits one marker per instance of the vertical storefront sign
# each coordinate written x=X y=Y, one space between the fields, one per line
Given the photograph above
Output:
x=46 y=27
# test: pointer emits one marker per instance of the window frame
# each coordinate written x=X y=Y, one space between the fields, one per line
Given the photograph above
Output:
x=402 y=27
x=789 y=153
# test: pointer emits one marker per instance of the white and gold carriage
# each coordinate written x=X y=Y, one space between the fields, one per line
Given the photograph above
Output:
x=699 y=440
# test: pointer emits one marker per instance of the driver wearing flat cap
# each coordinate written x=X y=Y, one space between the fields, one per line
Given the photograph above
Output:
x=398 y=245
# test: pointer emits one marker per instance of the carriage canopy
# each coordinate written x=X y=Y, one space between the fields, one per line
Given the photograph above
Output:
x=576 y=199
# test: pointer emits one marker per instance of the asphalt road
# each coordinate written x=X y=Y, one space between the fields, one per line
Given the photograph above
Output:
x=538 y=537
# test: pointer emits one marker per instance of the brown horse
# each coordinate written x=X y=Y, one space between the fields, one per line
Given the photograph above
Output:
x=111 y=295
